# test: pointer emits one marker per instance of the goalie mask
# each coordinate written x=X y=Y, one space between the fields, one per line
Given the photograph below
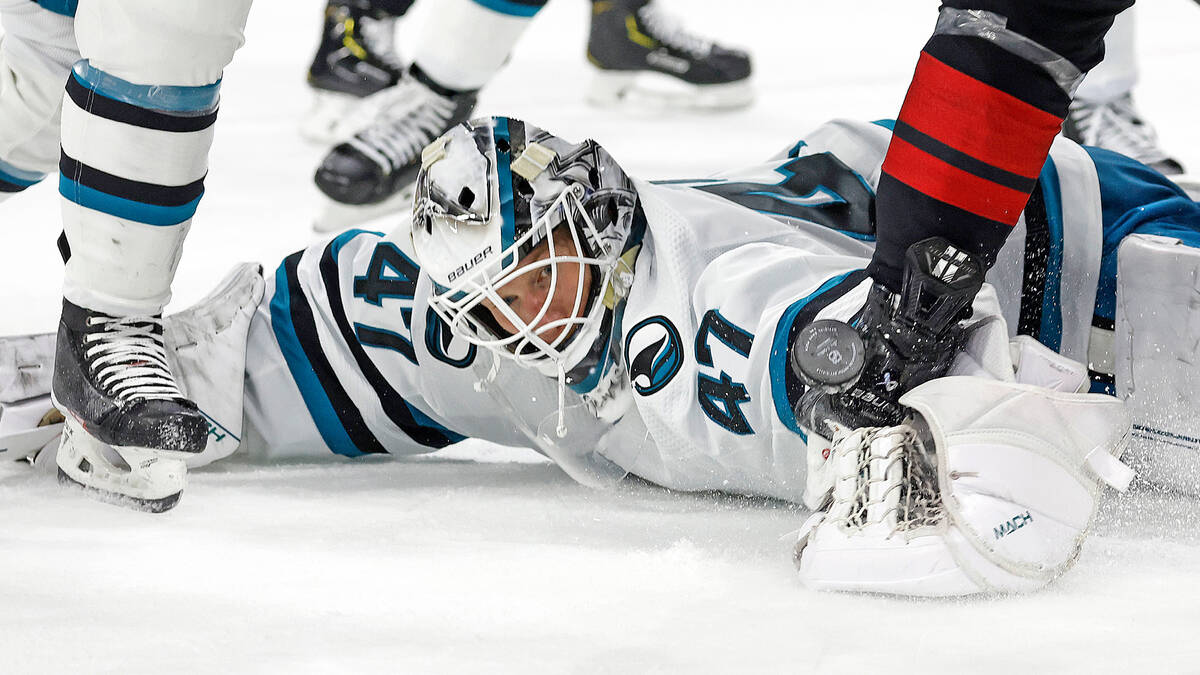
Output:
x=529 y=240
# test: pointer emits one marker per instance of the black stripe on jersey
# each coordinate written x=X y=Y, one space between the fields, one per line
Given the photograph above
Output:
x=100 y=105
x=997 y=67
x=793 y=386
x=394 y=405
x=144 y=193
x=961 y=160
x=1037 y=254
x=306 y=333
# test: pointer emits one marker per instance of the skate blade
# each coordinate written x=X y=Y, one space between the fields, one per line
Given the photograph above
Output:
x=652 y=92
x=335 y=216
x=159 y=505
x=146 y=480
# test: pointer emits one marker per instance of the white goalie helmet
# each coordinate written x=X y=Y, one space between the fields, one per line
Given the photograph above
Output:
x=529 y=240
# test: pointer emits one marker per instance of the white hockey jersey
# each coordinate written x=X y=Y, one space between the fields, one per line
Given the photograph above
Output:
x=730 y=269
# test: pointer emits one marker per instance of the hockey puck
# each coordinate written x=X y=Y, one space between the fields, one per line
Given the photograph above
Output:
x=828 y=354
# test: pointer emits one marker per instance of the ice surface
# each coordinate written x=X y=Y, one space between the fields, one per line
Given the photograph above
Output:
x=487 y=559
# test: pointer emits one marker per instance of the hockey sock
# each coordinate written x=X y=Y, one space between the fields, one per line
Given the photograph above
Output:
x=947 y=173
x=126 y=209
x=14 y=180
x=467 y=41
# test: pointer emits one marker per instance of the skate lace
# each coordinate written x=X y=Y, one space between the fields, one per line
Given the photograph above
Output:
x=380 y=38
x=411 y=116
x=1115 y=125
x=885 y=480
x=128 y=358
x=668 y=30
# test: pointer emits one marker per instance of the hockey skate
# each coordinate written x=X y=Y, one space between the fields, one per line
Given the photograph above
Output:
x=857 y=373
x=355 y=59
x=1117 y=126
x=643 y=58
x=371 y=174
x=207 y=345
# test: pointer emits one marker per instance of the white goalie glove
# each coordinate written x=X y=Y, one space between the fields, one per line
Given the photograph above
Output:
x=990 y=487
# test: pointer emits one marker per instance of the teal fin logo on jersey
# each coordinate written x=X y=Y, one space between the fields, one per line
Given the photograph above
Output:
x=655 y=354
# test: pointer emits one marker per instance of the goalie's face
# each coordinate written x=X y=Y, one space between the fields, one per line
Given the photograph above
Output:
x=547 y=294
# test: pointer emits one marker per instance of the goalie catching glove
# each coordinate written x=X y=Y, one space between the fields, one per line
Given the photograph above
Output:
x=989 y=486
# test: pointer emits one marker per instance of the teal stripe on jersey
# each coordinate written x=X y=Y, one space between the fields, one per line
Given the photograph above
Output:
x=149 y=214
x=779 y=360
x=183 y=100
x=320 y=408
x=1051 y=333
x=510 y=8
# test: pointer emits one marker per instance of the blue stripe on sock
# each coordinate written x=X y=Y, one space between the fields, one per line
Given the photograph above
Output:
x=64 y=7
x=185 y=100
x=18 y=177
x=320 y=409
x=510 y=8
x=149 y=214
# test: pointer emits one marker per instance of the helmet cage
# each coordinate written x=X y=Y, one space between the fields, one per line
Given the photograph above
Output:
x=548 y=345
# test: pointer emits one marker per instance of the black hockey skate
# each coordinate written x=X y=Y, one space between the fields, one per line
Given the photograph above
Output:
x=355 y=59
x=856 y=375
x=1117 y=126
x=644 y=56
x=111 y=377
x=373 y=172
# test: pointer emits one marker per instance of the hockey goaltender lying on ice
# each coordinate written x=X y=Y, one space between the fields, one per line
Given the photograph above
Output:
x=541 y=297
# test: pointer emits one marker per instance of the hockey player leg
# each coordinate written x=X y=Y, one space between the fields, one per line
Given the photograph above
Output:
x=464 y=44
x=355 y=59
x=137 y=126
x=644 y=59
x=37 y=48
x=1158 y=358
x=991 y=487
x=208 y=344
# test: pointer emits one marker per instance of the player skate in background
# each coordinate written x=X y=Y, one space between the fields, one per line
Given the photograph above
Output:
x=136 y=124
x=355 y=58
x=1103 y=113
x=623 y=327
x=634 y=46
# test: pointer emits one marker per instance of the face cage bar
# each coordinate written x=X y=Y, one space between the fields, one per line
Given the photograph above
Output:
x=455 y=304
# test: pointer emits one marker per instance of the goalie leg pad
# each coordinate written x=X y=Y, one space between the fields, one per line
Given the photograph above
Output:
x=1157 y=357
x=208 y=345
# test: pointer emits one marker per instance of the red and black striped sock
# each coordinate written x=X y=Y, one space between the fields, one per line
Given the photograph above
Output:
x=975 y=129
